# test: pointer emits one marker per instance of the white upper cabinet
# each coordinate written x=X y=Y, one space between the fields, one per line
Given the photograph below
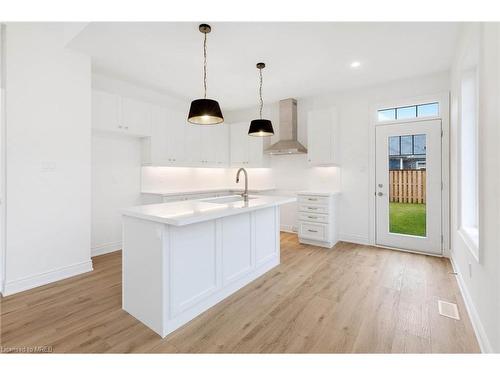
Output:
x=255 y=150
x=176 y=136
x=222 y=145
x=174 y=141
x=193 y=145
x=114 y=113
x=136 y=117
x=239 y=143
x=106 y=111
x=244 y=149
x=166 y=144
x=169 y=140
x=323 y=137
x=208 y=141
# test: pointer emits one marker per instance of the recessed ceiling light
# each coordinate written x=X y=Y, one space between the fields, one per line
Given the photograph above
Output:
x=355 y=64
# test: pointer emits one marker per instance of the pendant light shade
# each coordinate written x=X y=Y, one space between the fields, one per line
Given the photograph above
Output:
x=261 y=127
x=205 y=111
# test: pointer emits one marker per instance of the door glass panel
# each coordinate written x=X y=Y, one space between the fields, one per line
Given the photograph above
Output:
x=407 y=184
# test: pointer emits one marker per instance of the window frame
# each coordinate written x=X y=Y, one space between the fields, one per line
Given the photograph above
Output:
x=469 y=233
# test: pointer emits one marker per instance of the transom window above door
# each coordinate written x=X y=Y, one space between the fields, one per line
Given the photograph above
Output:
x=408 y=112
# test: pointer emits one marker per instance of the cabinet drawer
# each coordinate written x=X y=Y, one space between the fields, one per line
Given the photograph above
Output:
x=318 y=218
x=313 y=231
x=313 y=208
x=313 y=199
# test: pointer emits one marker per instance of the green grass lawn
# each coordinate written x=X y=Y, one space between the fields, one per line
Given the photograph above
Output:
x=407 y=218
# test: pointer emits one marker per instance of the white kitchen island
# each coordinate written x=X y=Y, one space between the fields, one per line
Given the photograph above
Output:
x=181 y=258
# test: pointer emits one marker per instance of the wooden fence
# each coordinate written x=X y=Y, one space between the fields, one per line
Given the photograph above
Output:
x=407 y=186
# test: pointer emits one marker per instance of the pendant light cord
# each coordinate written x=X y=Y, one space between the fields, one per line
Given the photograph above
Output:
x=205 y=65
x=260 y=93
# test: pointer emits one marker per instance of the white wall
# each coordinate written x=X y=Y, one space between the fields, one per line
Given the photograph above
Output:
x=47 y=157
x=352 y=178
x=480 y=286
x=116 y=177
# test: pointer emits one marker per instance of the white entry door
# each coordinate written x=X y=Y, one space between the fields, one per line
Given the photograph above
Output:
x=408 y=186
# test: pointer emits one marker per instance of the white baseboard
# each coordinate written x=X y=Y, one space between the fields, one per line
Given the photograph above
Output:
x=354 y=238
x=105 y=248
x=20 y=285
x=288 y=228
x=482 y=337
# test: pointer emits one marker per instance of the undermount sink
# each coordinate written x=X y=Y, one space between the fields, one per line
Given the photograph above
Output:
x=228 y=199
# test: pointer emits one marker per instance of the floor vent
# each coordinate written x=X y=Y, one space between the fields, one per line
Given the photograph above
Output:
x=448 y=309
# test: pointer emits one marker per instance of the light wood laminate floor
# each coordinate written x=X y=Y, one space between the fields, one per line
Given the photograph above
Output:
x=350 y=299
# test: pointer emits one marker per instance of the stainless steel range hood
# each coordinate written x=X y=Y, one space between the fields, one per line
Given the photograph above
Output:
x=287 y=143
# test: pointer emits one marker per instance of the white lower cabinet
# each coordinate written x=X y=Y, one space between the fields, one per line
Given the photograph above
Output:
x=317 y=218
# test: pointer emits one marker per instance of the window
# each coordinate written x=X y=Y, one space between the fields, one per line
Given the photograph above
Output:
x=408 y=112
x=469 y=159
x=387 y=114
x=406 y=145
x=394 y=146
x=428 y=110
x=419 y=144
x=407 y=152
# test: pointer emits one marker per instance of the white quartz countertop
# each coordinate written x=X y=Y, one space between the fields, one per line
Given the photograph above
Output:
x=318 y=192
x=190 y=212
x=202 y=191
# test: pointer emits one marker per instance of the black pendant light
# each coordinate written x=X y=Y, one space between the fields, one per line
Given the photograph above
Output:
x=205 y=111
x=261 y=127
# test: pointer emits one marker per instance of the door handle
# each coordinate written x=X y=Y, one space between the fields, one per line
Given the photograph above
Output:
x=380 y=193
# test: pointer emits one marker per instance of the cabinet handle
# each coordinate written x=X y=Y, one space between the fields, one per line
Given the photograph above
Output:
x=313 y=231
x=312 y=217
x=312 y=199
x=312 y=208
x=126 y=127
x=119 y=126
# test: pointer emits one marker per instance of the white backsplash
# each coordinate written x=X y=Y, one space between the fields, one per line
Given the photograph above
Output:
x=185 y=178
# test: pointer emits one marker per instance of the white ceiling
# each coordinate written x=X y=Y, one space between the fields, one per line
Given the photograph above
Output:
x=302 y=59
